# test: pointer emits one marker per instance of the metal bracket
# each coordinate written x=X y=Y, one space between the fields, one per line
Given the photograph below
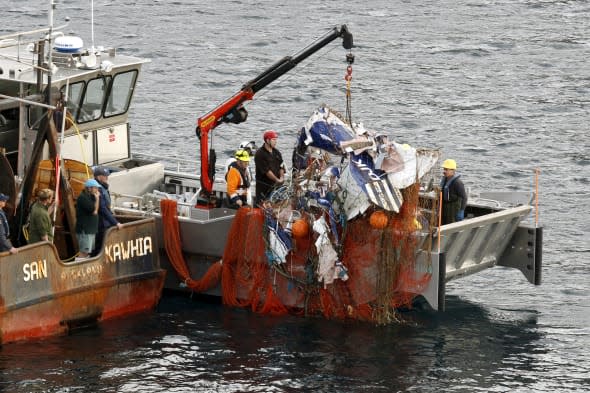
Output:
x=525 y=252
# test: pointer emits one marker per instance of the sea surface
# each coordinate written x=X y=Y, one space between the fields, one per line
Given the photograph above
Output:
x=502 y=86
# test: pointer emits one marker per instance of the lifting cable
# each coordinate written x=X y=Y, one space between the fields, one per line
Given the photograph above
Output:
x=348 y=79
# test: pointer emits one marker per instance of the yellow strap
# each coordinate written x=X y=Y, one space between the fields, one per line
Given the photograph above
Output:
x=26 y=231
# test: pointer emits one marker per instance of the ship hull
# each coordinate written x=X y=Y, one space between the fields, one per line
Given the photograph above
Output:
x=42 y=296
x=494 y=238
x=495 y=233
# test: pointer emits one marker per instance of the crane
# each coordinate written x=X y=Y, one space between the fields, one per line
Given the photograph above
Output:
x=233 y=111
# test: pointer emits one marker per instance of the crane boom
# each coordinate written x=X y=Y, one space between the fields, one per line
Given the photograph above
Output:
x=232 y=110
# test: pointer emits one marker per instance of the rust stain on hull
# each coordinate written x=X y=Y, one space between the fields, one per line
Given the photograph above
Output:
x=42 y=296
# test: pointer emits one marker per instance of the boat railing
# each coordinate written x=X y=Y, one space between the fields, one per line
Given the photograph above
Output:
x=149 y=203
x=17 y=39
x=170 y=163
x=475 y=244
x=20 y=34
x=181 y=165
x=129 y=201
x=145 y=204
x=467 y=247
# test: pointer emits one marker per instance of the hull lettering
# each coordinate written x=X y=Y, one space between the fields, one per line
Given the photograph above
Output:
x=36 y=270
x=125 y=251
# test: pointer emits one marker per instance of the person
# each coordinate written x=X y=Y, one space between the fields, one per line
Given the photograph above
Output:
x=5 y=243
x=106 y=219
x=87 y=206
x=238 y=180
x=248 y=146
x=270 y=169
x=454 y=198
x=40 y=224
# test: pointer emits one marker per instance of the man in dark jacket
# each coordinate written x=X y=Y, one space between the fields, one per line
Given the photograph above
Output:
x=106 y=219
x=270 y=169
x=454 y=198
x=87 y=217
x=5 y=244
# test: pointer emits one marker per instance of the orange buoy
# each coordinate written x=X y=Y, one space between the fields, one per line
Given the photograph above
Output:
x=300 y=228
x=378 y=220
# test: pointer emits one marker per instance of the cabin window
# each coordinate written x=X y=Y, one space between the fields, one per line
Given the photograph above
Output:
x=75 y=92
x=121 y=93
x=74 y=97
x=91 y=108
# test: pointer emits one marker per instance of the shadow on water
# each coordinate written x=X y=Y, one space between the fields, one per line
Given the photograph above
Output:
x=195 y=346
x=428 y=346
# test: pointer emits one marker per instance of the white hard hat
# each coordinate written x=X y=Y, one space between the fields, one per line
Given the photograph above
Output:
x=248 y=144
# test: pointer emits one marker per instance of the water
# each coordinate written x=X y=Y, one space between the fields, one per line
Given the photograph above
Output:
x=501 y=86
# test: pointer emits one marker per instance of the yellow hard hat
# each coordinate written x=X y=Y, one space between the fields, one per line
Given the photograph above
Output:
x=242 y=155
x=449 y=164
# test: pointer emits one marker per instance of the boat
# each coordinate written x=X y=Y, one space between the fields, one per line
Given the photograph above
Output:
x=389 y=249
x=44 y=289
x=386 y=250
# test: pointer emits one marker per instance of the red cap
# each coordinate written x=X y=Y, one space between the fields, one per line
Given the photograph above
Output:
x=270 y=134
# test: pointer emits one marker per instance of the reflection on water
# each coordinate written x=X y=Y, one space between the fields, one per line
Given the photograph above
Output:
x=192 y=346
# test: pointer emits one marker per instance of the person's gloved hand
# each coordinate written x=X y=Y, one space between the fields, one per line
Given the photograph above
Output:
x=460 y=215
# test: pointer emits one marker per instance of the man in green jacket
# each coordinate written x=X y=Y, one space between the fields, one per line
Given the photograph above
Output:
x=40 y=225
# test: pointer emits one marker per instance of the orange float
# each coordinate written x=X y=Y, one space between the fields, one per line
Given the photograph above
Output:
x=300 y=228
x=378 y=220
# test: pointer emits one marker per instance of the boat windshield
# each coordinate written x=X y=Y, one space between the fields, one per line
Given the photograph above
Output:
x=101 y=97
x=104 y=96
x=121 y=93
x=93 y=100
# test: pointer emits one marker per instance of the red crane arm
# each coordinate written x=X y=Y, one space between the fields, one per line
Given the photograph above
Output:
x=232 y=110
x=212 y=120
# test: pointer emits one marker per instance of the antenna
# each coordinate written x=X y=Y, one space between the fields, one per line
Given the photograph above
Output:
x=92 y=23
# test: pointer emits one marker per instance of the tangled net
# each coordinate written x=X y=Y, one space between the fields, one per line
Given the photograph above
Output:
x=378 y=280
x=321 y=246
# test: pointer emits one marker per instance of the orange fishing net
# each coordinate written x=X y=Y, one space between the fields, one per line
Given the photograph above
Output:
x=174 y=251
x=380 y=263
x=379 y=257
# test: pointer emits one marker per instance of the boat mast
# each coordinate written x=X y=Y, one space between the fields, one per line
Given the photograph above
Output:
x=49 y=49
